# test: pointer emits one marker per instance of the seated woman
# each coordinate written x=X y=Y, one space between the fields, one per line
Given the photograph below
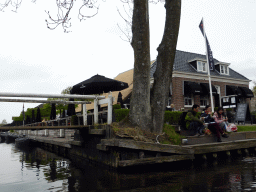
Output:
x=221 y=119
x=212 y=125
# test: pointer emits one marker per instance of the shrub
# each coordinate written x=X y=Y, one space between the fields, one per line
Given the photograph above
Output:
x=121 y=114
x=116 y=106
x=172 y=117
x=173 y=137
x=74 y=120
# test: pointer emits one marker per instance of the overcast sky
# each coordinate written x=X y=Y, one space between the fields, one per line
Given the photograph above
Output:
x=35 y=59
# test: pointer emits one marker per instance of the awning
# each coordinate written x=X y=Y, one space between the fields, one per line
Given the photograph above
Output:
x=206 y=89
x=246 y=92
x=192 y=88
x=233 y=90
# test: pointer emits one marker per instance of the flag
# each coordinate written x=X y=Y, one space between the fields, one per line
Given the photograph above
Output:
x=209 y=50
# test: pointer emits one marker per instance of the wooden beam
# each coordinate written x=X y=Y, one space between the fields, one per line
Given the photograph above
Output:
x=153 y=160
x=223 y=146
x=140 y=145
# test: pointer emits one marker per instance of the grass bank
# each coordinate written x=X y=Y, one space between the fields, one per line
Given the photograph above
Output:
x=243 y=128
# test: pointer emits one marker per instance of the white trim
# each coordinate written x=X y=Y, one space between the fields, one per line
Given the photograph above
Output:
x=214 y=78
x=204 y=98
x=197 y=59
x=192 y=101
x=225 y=72
x=205 y=66
x=222 y=63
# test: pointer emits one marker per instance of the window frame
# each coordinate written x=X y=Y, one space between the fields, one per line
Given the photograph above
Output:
x=205 y=98
x=202 y=65
x=225 y=70
x=192 y=100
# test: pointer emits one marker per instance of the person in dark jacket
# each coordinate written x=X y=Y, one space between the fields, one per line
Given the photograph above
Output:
x=212 y=125
x=193 y=121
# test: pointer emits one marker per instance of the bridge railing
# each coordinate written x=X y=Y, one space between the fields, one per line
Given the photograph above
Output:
x=98 y=100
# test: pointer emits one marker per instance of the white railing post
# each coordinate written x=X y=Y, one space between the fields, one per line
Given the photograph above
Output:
x=96 y=114
x=110 y=108
x=46 y=132
x=62 y=132
x=84 y=114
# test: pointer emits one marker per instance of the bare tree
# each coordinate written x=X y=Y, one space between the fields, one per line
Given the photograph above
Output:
x=145 y=114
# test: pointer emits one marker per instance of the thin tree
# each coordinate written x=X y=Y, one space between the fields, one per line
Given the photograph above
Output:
x=147 y=111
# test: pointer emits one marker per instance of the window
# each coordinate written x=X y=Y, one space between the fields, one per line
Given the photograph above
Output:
x=224 y=69
x=188 y=101
x=203 y=101
x=201 y=66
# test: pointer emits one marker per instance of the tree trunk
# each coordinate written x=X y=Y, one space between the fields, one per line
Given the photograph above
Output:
x=165 y=60
x=140 y=111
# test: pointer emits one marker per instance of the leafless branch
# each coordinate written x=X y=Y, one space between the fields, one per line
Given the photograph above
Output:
x=64 y=8
x=128 y=20
x=89 y=4
x=14 y=3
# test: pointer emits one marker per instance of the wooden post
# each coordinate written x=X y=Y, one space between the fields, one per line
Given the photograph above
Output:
x=96 y=114
x=110 y=108
x=84 y=114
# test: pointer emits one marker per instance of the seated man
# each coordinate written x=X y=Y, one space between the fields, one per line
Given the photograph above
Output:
x=193 y=122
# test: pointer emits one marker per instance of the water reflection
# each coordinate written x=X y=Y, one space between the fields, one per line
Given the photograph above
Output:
x=40 y=170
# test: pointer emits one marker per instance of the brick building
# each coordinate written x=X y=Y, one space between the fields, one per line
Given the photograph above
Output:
x=190 y=84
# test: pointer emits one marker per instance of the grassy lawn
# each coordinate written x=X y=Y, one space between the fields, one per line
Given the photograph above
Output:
x=242 y=128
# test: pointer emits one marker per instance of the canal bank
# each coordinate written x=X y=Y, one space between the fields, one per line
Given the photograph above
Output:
x=97 y=144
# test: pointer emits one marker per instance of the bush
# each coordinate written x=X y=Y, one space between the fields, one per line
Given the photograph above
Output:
x=116 y=106
x=74 y=120
x=172 y=117
x=173 y=137
x=121 y=114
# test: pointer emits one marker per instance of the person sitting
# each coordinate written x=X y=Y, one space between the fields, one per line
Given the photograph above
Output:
x=173 y=107
x=212 y=125
x=193 y=122
x=221 y=119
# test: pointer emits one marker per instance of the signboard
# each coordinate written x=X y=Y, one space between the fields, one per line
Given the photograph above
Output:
x=243 y=112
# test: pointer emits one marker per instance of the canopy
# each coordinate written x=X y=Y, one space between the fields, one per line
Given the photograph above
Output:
x=246 y=92
x=98 y=84
x=206 y=89
x=192 y=88
x=233 y=90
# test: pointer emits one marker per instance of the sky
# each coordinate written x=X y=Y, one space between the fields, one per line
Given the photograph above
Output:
x=34 y=59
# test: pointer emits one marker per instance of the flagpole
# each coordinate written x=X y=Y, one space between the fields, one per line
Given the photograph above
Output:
x=208 y=67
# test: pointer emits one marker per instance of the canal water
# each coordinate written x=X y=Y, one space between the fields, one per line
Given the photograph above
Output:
x=39 y=170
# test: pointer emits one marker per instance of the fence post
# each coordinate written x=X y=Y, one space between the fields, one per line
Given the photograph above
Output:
x=96 y=114
x=84 y=114
x=46 y=132
x=110 y=107
x=62 y=132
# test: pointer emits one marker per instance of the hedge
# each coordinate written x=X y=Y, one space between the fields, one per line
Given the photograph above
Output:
x=121 y=114
x=172 y=117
